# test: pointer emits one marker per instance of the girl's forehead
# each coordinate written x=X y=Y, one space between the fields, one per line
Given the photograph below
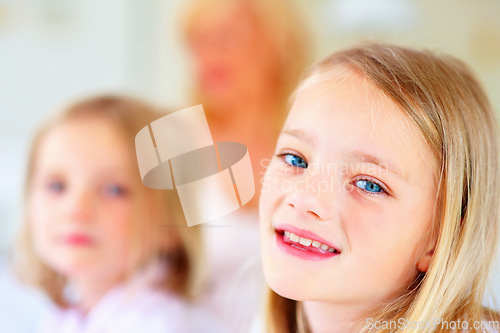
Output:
x=350 y=104
x=347 y=113
x=84 y=142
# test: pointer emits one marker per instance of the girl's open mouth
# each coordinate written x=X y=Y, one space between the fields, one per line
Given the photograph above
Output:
x=295 y=242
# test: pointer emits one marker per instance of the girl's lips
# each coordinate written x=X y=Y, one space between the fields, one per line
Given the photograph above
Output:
x=77 y=240
x=303 y=243
x=304 y=234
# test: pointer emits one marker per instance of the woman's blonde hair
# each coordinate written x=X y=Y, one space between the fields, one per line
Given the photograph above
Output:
x=445 y=101
x=159 y=232
x=281 y=23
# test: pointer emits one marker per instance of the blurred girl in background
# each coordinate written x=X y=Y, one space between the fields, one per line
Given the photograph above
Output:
x=113 y=255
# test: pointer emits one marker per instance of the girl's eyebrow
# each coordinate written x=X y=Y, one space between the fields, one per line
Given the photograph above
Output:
x=356 y=156
x=301 y=135
x=360 y=156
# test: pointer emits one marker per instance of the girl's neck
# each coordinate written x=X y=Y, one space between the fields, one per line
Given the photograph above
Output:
x=324 y=317
x=90 y=290
x=256 y=125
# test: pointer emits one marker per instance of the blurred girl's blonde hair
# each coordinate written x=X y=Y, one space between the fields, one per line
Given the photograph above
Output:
x=447 y=104
x=159 y=232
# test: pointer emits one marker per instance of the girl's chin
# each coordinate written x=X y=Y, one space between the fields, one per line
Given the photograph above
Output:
x=294 y=285
x=290 y=293
x=73 y=272
x=286 y=287
x=76 y=269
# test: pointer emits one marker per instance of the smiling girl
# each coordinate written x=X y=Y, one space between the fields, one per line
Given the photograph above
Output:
x=381 y=202
x=113 y=255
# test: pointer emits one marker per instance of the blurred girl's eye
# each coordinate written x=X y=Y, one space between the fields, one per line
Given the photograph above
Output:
x=294 y=160
x=55 y=186
x=369 y=186
x=114 y=190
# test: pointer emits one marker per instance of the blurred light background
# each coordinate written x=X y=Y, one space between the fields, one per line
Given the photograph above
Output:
x=53 y=51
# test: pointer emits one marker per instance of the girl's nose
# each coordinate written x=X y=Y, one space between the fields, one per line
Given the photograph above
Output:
x=80 y=205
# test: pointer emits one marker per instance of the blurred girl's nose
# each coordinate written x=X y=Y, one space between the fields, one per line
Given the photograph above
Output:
x=80 y=204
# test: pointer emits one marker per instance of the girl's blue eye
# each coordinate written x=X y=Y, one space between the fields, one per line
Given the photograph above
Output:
x=295 y=161
x=55 y=186
x=114 y=190
x=369 y=186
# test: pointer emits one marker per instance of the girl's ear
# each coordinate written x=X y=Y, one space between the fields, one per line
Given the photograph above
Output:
x=425 y=259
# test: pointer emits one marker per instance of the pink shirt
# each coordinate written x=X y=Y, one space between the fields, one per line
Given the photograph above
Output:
x=133 y=307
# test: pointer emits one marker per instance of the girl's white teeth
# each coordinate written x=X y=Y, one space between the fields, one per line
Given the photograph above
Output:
x=308 y=242
x=294 y=238
x=305 y=241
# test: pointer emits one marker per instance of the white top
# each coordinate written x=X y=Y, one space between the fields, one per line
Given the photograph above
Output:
x=236 y=283
x=133 y=307
x=21 y=306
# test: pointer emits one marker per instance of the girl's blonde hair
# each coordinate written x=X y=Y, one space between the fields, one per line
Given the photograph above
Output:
x=158 y=233
x=280 y=22
x=445 y=101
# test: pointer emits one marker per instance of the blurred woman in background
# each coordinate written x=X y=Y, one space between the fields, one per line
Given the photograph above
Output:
x=247 y=55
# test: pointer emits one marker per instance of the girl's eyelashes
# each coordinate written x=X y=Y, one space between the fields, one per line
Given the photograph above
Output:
x=114 y=190
x=109 y=190
x=293 y=159
x=55 y=186
x=370 y=186
x=364 y=183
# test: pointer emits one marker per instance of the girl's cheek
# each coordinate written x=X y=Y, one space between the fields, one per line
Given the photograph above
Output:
x=41 y=230
x=39 y=209
x=120 y=212
x=44 y=215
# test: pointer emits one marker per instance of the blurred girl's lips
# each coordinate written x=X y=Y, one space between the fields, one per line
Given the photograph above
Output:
x=303 y=243
x=77 y=239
